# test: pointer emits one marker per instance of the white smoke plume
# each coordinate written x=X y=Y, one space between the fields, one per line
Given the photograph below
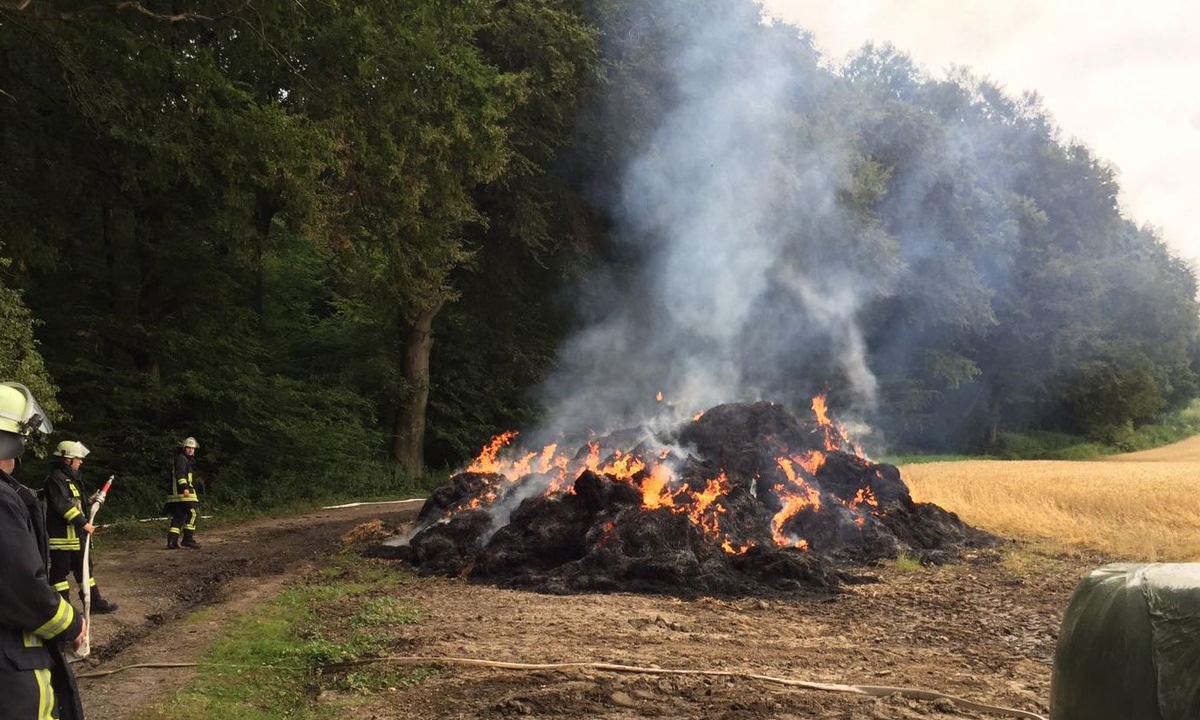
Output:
x=720 y=207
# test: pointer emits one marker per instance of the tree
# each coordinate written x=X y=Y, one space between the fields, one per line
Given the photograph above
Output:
x=20 y=358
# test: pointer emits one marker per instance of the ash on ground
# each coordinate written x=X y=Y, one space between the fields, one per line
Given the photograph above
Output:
x=745 y=500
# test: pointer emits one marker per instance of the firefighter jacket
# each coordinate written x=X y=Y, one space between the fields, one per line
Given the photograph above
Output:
x=65 y=507
x=181 y=479
x=35 y=681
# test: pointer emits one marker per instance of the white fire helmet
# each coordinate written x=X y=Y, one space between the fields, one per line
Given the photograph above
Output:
x=20 y=415
x=190 y=442
x=72 y=449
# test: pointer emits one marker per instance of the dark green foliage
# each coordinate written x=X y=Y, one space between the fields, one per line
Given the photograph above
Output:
x=20 y=357
x=226 y=222
x=306 y=233
x=1024 y=290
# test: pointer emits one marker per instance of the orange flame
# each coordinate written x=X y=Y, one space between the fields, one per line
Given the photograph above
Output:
x=592 y=462
x=487 y=462
x=811 y=461
x=797 y=497
x=623 y=466
x=654 y=488
x=732 y=549
x=661 y=489
x=658 y=396
x=835 y=434
x=821 y=410
x=865 y=496
x=864 y=502
x=606 y=533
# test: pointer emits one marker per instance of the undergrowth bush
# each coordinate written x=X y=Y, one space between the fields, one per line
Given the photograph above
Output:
x=1043 y=445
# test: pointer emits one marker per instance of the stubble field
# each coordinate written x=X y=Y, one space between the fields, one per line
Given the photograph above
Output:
x=1141 y=506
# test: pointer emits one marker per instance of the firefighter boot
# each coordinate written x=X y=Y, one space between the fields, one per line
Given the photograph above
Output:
x=172 y=541
x=189 y=541
x=100 y=606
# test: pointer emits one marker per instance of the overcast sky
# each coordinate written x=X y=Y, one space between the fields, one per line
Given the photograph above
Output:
x=1120 y=76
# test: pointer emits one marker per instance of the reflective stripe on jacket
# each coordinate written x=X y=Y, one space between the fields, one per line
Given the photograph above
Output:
x=34 y=677
x=65 y=516
x=181 y=479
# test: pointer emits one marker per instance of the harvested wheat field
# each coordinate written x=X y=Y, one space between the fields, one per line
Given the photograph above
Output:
x=1142 y=506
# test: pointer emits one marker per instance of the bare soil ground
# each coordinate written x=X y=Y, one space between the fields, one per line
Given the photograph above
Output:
x=157 y=589
x=984 y=629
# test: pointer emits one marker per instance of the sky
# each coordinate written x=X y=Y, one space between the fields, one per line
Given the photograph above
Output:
x=1117 y=75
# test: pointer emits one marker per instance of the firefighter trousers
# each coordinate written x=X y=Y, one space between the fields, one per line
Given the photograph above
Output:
x=183 y=516
x=64 y=563
x=36 y=684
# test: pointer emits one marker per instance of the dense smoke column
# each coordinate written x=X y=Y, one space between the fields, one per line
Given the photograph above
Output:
x=745 y=285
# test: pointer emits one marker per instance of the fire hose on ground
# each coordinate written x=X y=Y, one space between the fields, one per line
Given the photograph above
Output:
x=867 y=690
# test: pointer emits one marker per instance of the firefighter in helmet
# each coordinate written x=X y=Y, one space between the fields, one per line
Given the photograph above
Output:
x=183 y=504
x=35 y=680
x=67 y=523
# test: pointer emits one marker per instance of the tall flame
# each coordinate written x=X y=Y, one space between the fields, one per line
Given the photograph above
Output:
x=821 y=410
x=487 y=460
x=835 y=434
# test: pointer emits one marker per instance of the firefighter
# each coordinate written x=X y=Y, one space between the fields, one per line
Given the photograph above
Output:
x=67 y=523
x=35 y=681
x=183 y=504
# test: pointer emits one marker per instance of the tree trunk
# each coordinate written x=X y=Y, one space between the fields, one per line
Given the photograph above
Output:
x=264 y=213
x=110 y=257
x=992 y=438
x=408 y=437
x=150 y=301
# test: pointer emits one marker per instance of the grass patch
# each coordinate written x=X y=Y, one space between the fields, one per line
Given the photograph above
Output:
x=1050 y=446
x=274 y=661
x=372 y=679
x=385 y=611
x=1171 y=429
x=907 y=563
x=1029 y=560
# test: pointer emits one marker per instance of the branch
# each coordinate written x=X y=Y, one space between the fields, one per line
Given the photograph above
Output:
x=124 y=5
x=138 y=7
x=18 y=7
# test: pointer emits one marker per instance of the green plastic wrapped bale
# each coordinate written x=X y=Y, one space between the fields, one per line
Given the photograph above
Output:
x=1129 y=648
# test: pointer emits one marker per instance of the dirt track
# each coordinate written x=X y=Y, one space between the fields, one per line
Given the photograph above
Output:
x=156 y=587
x=984 y=629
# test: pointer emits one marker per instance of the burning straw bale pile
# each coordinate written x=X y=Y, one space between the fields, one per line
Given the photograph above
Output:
x=744 y=500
